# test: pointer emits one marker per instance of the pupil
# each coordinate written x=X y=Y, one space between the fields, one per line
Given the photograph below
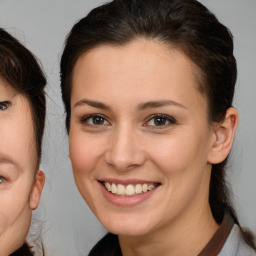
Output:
x=160 y=121
x=98 y=120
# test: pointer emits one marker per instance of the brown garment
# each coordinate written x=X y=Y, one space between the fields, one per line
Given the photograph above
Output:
x=217 y=241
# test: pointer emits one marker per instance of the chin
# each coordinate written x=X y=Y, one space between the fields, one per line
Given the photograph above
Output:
x=128 y=231
x=126 y=226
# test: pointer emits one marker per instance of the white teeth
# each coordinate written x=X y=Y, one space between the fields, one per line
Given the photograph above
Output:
x=138 y=189
x=128 y=190
x=120 y=189
x=108 y=186
x=145 y=188
x=113 y=188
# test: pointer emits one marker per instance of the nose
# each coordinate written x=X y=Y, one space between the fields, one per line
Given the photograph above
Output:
x=125 y=151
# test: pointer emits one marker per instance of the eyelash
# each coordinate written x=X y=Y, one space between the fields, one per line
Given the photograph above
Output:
x=102 y=120
x=4 y=105
x=164 y=118
x=85 y=119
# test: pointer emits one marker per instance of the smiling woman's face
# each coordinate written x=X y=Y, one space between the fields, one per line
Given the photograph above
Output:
x=139 y=136
x=18 y=160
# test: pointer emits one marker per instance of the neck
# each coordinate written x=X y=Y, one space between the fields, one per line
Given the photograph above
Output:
x=180 y=238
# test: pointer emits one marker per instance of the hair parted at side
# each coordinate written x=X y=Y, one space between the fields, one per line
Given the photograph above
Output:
x=186 y=25
x=20 y=70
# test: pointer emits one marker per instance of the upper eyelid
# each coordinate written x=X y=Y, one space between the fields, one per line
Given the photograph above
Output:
x=84 y=118
x=94 y=115
x=172 y=121
x=147 y=119
x=160 y=115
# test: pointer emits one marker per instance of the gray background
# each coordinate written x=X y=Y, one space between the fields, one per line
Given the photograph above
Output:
x=68 y=227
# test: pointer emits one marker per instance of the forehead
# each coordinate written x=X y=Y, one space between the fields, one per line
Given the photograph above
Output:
x=134 y=54
x=5 y=88
x=19 y=104
x=8 y=92
x=141 y=64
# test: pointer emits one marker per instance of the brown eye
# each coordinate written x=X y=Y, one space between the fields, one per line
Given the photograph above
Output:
x=95 y=120
x=160 y=120
x=98 y=120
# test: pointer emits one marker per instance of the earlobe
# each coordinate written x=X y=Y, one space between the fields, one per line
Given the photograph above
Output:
x=37 y=189
x=224 y=137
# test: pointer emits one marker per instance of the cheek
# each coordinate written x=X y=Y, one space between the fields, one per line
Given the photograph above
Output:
x=170 y=154
x=183 y=153
x=14 y=207
x=183 y=163
x=85 y=155
x=84 y=152
x=18 y=142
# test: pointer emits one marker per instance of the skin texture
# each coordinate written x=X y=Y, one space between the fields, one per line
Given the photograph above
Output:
x=127 y=145
x=20 y=184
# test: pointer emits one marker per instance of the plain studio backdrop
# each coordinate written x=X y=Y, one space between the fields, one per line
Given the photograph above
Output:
x=67 y=226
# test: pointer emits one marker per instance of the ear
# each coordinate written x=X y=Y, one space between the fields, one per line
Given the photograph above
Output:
x=36 y=191
x=224 y=133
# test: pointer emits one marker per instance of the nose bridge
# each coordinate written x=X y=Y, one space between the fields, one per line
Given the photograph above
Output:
x=124 y=151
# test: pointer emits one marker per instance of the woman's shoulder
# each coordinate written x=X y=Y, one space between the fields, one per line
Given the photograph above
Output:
x=235 y=245
x=107 y=246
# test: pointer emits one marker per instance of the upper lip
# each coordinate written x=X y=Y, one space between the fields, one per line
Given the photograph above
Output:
x=129 y=181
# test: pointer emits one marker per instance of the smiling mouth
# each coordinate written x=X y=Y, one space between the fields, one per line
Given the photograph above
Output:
x=129 y=189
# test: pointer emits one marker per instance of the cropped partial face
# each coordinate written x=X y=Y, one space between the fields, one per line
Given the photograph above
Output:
x=18 y=160
x=139 y=136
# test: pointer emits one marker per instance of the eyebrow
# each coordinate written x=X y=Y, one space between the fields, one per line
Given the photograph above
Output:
x=7 y=160
x=158 y=104
x=141 y=106
x=92 y=103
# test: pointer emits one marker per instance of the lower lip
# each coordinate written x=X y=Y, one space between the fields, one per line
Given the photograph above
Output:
x=126 y=200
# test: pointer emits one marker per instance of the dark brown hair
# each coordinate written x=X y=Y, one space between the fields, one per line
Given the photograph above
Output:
x=20 y=70
x=184 y=24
